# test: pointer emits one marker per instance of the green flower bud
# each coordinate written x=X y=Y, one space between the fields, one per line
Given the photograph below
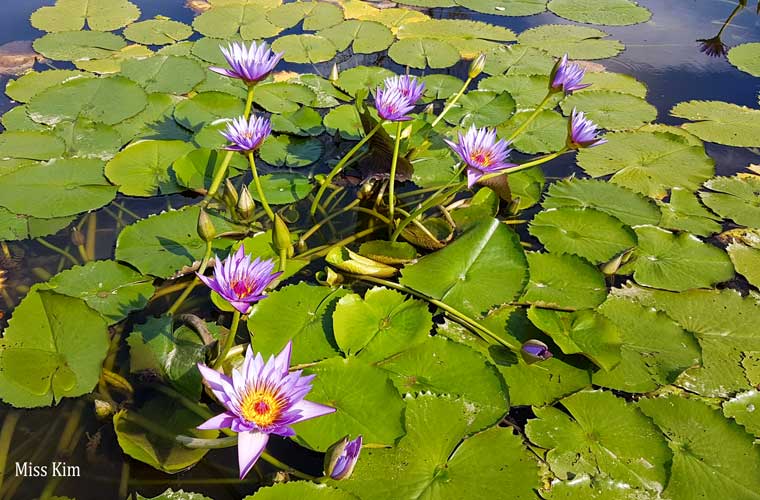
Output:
x=334 y=73
x=281 y=236
x=206 y=229
x=245 y=204
x=476 y=66
x=230 y=195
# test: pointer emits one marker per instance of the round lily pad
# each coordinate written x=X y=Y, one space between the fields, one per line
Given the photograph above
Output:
x=423 y=52
x=157 y=32
x=606 y=12
x=25 y=87
x=746 y=57
x=170 y=74
x=481 y=108
x=505 y=7
x=74 y=45
x=142 y=169
x=578 y=42
x=721 y=122
x=362 y=77
x=305 y=48
x=99 y=15
x=611 y=110
x=736 y=198
x=294 y=152
x=564 y=281
x=281 y=188
x=364 y=37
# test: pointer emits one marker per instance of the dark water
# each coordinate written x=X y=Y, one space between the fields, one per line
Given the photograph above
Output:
x=662 y=53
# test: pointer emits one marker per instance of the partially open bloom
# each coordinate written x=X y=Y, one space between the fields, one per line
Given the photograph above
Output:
x=535 y=350
x=250 y=64
x=713 y=47
x=261 y=399
x=583 y=132
x=567 y=77
x=341 y=458
x=482 y=153
x=240 y=281
x=409 y=86
x=393 y=105
x=247 y=135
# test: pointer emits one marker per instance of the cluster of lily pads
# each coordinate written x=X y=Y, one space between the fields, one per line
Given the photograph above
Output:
x=391 y=305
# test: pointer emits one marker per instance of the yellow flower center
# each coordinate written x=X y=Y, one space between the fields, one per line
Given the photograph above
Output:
x=481 y=158
x=261 y=407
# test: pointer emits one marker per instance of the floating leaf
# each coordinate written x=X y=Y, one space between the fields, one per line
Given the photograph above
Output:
x=99 y=15
x=155 y=121
x=142 y=169
x=30 y=145
x=305 y=48
x=527 y=90
x=20 y=227
x=53 y=347
x=283 y=97
x=67 y=186
x=364 y=37
x=170 y=74
x=611 y=110
x=484 y=267
x=157 y=32
x=650 y=163
x=304 y=121
x=393 y=17
x=423 y=52
x=518 y=60
x=546 y=133
x=481 y=108
x=345 y=120
x=326 y=94
x=721 y=122
x=736 y=198
x=207 y=107
x=296 y=489
x=84 y=138
x=684 y=212
x=746 y=261
x=75 y=45
x=614 y=82
x=742 y=409
x=247 y=19
x=281 y=188
x=170 y=494
x=17 y=120
x=578 y=42
x=428 y=3
x=505 y=7
x=294 y=152
x=362 y=77
x=24 y=88
x=563 y=281
x=746 y=57
x=445 y=29
x=607 y=12
x=196 y=169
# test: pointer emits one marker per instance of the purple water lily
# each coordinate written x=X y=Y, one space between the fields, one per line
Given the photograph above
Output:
x=583 y=132
x=247 y=135
x=342 y=458
x=568 y=76
x=261 y=399
x=713 y=47
x=393 y=105
x=482 y=153
x=250 y=64
x=409 y=86
x=535 y=350
x=240 y=281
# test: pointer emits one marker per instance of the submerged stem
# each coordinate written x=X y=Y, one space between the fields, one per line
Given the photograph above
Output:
x=392 y=182
x=259 y=188
x=229 y=341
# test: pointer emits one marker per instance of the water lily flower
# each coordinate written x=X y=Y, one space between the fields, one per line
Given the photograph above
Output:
x=240 y=281
x=409 y=86
x=250 y=64
x=392 y=105
x=482 y=153
x=261 y=399
x=713 y=47
x=535 y=350
x=247 y=135
x=583 y=132
x=341 y=458
x=567 y=77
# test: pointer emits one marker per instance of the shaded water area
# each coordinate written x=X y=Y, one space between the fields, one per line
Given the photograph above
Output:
x=662 y=53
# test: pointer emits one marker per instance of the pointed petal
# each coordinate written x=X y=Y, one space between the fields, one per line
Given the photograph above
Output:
x=311 y=410
x=221 y=421
x=250 y=446
x=282 y=361
x=473 y=176
x=219 y=383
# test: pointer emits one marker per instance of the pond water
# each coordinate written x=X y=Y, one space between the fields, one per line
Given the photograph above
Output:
x=663 y=53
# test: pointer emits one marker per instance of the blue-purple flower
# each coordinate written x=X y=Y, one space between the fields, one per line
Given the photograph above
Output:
x=567 y=77
x=240 y=281
x=535 y=350
x=247 y=135
x=341 y=458
x=583 y=132
x=393 y=105
x=409 y=86
x=713 y=47
x=261 y=399
x=482 y=153
x=250 y=64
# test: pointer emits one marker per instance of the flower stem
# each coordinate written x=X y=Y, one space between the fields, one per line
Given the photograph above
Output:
x=285 y=467
x=392 y=185
x=58 y=250
x=532 y=117
x=229 y=341
x=526 y=166
x=339 y=166
x=452 y=102
x=327 y=219
x=259 y=189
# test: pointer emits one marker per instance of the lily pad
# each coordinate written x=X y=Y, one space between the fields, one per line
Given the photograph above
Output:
x=282 y=188
x=304 y=121
x=481 y=108
x=53 y=347
x=99 y=15
x=283 y=97
x=505 y=7
x=518 y=60
x=31 y=145
x=546 y=133
x=746 y=262
x=297 y=489
x=578 y=42
x=611 y=110
x=364 y=37
x=527 y=90
x=112 y=62
x=294 y=152
x=25 y=87
x=247 y=19
x=563 y=281
x=157 y=32
x=736 y=198
x=446 y=29
x=423 y=52
x=207 y=107
x=169 y=74
x=614 y=82
x=362 y=77
x=75 y=45
x=87 y=139
x=746 y=57
x=742 y=409
x=606 y=12
x=305 y=48
x=344 y=120
x=721 y=122
x=684 y=212
x=20 y=227
x=196 y=169
x=142 y=169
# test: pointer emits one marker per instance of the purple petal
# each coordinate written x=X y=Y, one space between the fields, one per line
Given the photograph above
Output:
x=282 y=361
x=311 y=410
x=221 y=421
x=250 y=447
x=220 y=384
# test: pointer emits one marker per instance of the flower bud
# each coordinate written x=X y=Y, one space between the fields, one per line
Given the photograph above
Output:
x=429 y=109
x=535 y=350
x=334 y=73
x=281 y=237
x=77 y=237
x=476 y=66
x=104 y=409
x=245 y=204
x=365 y=192
x=206 y=229
x=230 y=195
x=341 y=458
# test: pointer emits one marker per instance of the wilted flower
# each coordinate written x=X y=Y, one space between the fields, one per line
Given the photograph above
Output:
x=535 y=350
x=409 y=86
x=482 y=153
x=713 y=47
x=568 y=76
x=247 y=135
x=250 y=64
x=240 y=281
x=261 y=399
x=583 y=132
x=393 y=105
x=341 y=458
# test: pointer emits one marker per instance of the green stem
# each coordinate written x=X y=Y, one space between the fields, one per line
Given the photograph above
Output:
x=208 y=444
x=283 y=259
x=249 y=101
x=196 y=281
x=526 y=166
x=259 y=189
x=339 y=166
x=285 y=467
x=532 y=117
x=58 y=250
x=229 y=341
x=6 y=436
x=320 y=251
x=83 y=253
x=327 y=219
x=392 y=185
x=452 y=102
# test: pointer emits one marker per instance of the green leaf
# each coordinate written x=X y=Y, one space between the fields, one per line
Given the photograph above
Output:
x=606 y=12
x=142 y=169
x=294 y=152
x=721 y=122
x=578 y=42
x=435 y=461
x=87 y=139
x=585 y=332
x=304 y=121
x=76 y=45
x=206 y=107
x=24 y=88
x=746 y=57
x=563 y=281
x=684 y=212
x=169 y=74
x=344 y=120
x=106 y=286
x=428 y=3
x=30 y=145
x=67 y=187
x=113 y=61
x=603 y=436
x=53 y=347
x=153 y=122
x=585 y=232
x=99 y=15
x=746 y=261
x=611 y=110
x=20 y=227
x=170 y=494
x=157 y=32
x=447 y=29
x=366 y=403
x=283 y=97
x=742 y=409
x=678 y=262
x=225 y=21
x=162 y=244
x=629 y=207
x=155 y=445
x=387 y=252
x=712 y=457
x=614 y=82
x=736 y=198
x=423 y=52
x=650 y=163
x=305 y=48
x=90 y=98
x=647 y=361
x=505 y=7
x=484 y=267
x=546 y=133
x=362 y=77
x=308 y=322
x=527 y=187
x=326 y=94
x=282 y=188
x=17 y=120
x=195 y=170
x=481 y=108
x=364 y=37
x=518 y=60
x=527 y=90
x=299 y=489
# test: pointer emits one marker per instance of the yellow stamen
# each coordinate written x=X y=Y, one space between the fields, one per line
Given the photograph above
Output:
x=261 y=407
